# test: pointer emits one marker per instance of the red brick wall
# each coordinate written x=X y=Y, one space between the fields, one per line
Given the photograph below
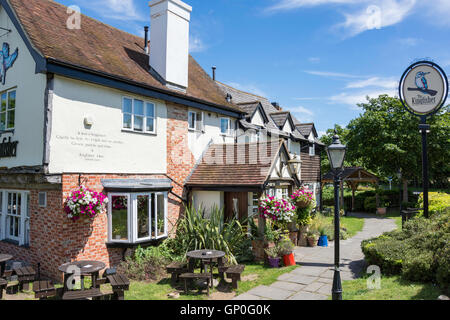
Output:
x=180 y=160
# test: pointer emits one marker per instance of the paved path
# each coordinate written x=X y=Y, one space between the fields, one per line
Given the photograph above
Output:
x=313 y=280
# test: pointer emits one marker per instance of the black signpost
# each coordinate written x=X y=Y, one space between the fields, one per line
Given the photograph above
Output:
x=423 y=91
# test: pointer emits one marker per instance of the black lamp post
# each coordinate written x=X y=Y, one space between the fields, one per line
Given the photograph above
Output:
x=336 y=154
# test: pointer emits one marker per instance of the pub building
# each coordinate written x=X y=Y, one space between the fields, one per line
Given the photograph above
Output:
x=137 y=120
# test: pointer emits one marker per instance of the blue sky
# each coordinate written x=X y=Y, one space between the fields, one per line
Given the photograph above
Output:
x=317 y=58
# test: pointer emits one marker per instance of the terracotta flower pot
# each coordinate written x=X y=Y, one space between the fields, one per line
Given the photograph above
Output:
x=381 y=211
x=312 y=242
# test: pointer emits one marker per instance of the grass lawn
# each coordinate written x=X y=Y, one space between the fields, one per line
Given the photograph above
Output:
x=352 y=224
x=392 y=288
x=265 y=276
x=256 y=274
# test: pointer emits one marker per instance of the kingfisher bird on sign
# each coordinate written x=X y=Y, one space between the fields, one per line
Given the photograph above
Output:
x=422 y=84
x=7 y=60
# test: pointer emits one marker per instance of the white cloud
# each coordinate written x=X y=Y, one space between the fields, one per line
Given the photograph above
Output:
x=409 y=42
x=250 y=88
x=116 y=9
x=294 y=4
x=314 y=59
x=196 y=44
x=352 y=99
x=328 y=74
x=387 y=83
x=304 y=115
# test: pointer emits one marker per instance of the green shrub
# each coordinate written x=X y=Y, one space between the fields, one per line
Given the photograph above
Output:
x=370 y=204
x=146 y=264
x=438 y=202
x=419 y=252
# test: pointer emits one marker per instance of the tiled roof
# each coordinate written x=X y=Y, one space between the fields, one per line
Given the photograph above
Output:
x=349 y=171
x=103 y=48
x=249 y=107
x=280 y=118
x=243 y=164
x=305 y=128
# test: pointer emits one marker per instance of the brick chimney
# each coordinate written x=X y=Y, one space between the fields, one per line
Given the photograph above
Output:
x=169 y=41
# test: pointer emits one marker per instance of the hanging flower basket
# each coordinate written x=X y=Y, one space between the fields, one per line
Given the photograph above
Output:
x=277 y=210
x=302 y=198
x=84 y=202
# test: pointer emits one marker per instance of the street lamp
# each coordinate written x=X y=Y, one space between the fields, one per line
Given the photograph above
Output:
x=336 y=154
x=295 y=163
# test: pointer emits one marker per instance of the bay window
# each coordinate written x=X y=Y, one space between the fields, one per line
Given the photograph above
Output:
x=137 y=217
x=138 y=115
x=14 y=216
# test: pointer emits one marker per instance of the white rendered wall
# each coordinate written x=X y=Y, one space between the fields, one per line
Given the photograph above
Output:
x=198 y=140
x=257 y=119
x=30 y=90
x=104 y=147
x=207 y=200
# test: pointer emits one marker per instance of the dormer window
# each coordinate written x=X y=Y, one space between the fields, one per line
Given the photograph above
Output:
x=312 y=150
x=195 y=121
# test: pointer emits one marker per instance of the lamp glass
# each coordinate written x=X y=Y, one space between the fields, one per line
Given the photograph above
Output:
x=336 y=155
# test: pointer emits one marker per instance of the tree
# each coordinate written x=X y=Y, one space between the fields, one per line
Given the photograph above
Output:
x=385 y=138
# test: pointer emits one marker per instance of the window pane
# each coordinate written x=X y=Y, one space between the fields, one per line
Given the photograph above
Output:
x=143 y=222
x=191 y=120
x=119 y=217
x=224 y=125
x=11 y=115
x=153 y=215
x=161 y=214
x=127 y=105
x=11 y=100
x=3 y=106
x=150 y=126
x=138 y=123
x=3 y=121
x=199 y=121
x=127 y=121
x=139 y=107
x=150 y=110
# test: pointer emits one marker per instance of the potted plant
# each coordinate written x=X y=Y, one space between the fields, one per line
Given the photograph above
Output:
x=311 y=238
x=383 y=206
x=323 y=239
x=286 y=248
x=304 y=202
x=273 y=256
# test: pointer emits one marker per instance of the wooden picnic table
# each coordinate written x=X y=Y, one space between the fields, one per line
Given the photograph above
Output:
x=85 y=268
x=206 y=257
x=3 y=259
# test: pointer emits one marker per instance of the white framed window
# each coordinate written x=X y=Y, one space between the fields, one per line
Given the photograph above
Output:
x=137 y=217
x=7 y=110
x=225 y=126
x=138 y=115
x=195 y=120
x=15 y=216
x=312 y=150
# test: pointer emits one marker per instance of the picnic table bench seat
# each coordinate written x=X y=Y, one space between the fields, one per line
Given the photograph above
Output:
x=44 y=289
x=82 y=294
x=25 y=275
x=190 y=276
x=234 y=273
x=3 y=284
x=119 y=284
x=175 y=269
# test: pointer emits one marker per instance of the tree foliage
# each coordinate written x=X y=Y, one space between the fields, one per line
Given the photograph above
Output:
x=386 y=138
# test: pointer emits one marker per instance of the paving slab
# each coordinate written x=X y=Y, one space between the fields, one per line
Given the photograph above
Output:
x=310 y=271
x=290 y=286
x=313 y=287
x=308 y=296
x=301 y=279
x=325 y=289
x=247 y=296
x=270 y=293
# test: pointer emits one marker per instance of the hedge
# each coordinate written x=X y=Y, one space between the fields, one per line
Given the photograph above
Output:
x=419 y=252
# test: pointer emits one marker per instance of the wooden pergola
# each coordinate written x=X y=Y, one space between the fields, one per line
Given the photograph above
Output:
x=353 y=177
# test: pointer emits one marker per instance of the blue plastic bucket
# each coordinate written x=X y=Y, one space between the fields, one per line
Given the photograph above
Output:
x=323 y=241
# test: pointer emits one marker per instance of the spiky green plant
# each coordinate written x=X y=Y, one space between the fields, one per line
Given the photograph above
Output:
x=195 y=232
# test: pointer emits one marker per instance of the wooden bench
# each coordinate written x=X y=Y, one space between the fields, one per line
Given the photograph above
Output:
x=44 y=289
x=191 y=276
x=25 y=276
x=3 y=284
x=234 y=273
x=119 y=284
x=82 y=294
x=176 y=268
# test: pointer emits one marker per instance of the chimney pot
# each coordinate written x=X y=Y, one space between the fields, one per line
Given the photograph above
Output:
x=276 y=105
x=214 y=73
